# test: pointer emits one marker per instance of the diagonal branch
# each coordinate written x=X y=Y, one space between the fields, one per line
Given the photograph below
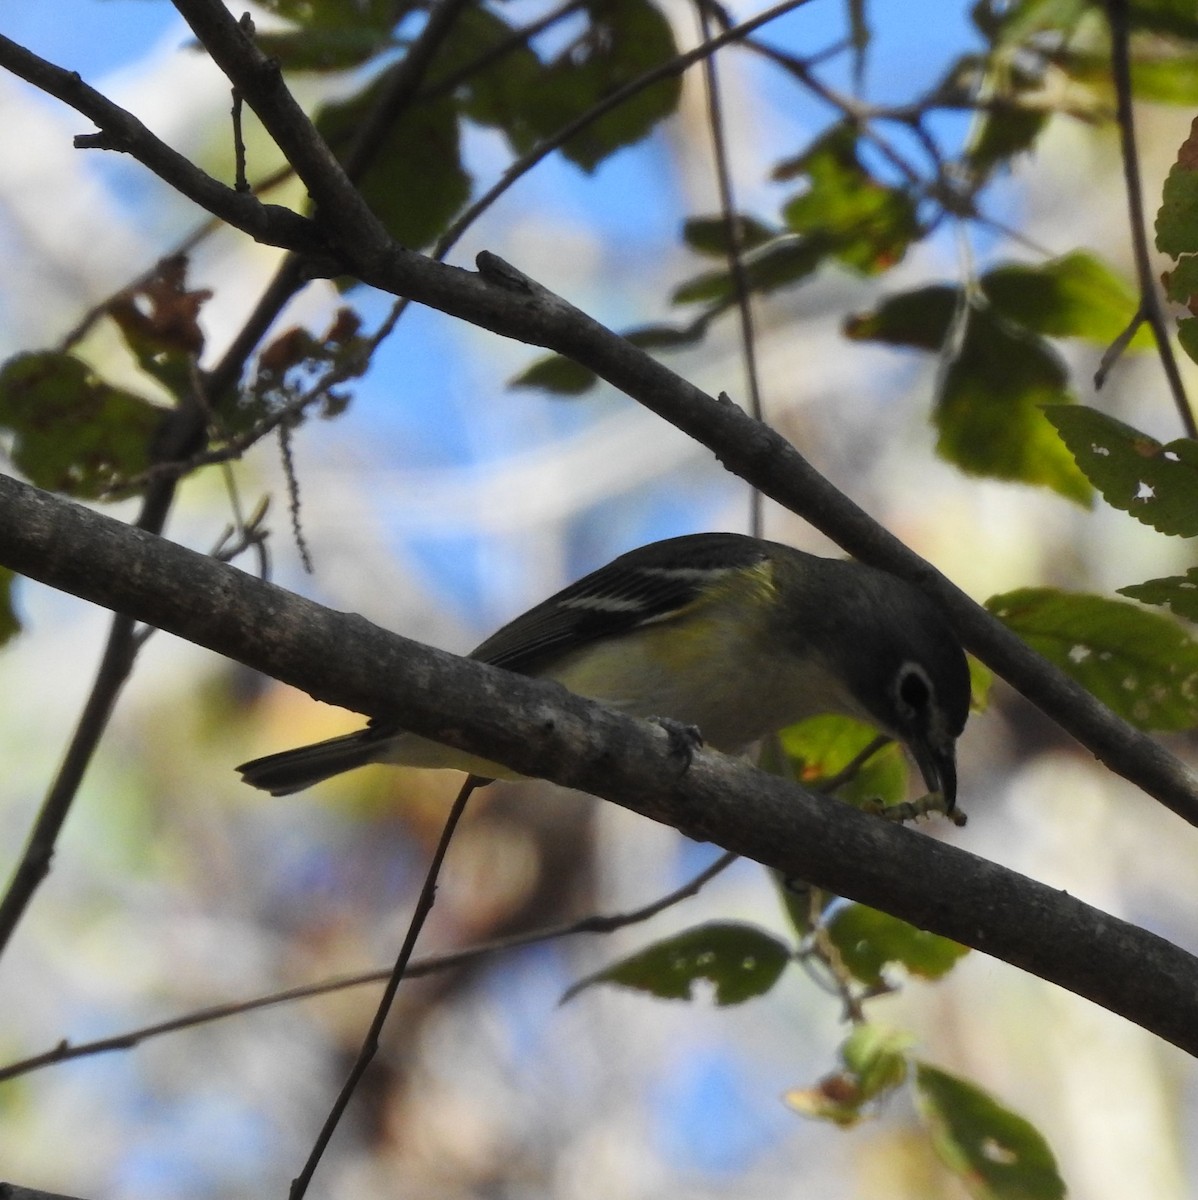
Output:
x=538 y=728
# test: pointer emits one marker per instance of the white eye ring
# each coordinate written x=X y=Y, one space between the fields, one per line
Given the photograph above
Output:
x=913 y=690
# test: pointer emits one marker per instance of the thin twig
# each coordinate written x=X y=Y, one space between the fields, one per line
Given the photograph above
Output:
x=735 y=251
x=1150 y=302
x=595 y=923
x=424 y=905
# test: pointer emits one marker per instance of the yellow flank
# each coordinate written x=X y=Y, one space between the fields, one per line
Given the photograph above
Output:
x=739 y=685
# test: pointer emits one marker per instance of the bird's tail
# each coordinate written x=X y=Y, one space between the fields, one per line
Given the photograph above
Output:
x=293 y=770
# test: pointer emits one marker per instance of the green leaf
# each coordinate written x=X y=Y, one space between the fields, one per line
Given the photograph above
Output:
x=781 y=263
x=417 y=182
x=1157 y=484
x=1177 y=217
x=10 y=623
x=709 y=235
x=504 y=94
x=1179 y=593
x=869 y=941
x=997 y=1154
x=73 y=433
x=740 y=960
x=1181 y=284
x=875 y=1062
x=1187 y=335
x=877 y=1056
x=623 y=40
x=1142 y=665
x=664 y=337
x=1002 y=134
x=822 y=747
x=921 y=318
x=558 y=374
x=868 y=224
x=1074 y=296
x=989 y=408
x=323 y=49
x=1166 y=74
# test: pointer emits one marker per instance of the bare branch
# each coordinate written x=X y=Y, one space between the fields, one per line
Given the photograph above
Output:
x=537 y=728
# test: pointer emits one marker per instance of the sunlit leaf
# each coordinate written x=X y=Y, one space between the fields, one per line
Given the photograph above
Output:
x=1141 y=664
x=72 y=432
x=869 y=941
x=739 y=960
x=1157 y=484
x=824 y=746
x=997 y=1154
x=868 y=225
x=875 y=1062
x=1074 y=296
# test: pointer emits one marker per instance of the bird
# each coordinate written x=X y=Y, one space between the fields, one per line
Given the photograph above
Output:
x=733 y=635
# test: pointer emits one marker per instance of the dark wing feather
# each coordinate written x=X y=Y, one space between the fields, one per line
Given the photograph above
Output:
x=642 y=585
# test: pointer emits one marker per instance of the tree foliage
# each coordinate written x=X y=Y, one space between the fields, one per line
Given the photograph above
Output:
x=399 y=92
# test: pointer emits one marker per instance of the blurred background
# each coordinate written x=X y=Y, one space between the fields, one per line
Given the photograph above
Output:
x=440 y=505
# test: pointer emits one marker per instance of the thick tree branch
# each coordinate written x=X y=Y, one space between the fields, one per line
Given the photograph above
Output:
x=539 y=729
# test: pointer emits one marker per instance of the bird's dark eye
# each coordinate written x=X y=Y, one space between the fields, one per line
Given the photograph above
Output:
x=914 y=690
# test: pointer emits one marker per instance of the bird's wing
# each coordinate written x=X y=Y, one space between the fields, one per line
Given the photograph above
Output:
x=648 y=584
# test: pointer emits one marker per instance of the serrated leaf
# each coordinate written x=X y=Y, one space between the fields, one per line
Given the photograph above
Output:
x=1177 y=217
x=921 y=318
x=73 y=432
x=1181 y=284
x=1187 y=336
x=10 y=623
x=1142 y=665
x=997 y=1154
x=1178 y=593
x=1157 y=484
x=869 y=941
x=416 y=182
x=824 y=746
x=739 y=960
x=1073 y=296
x=989 y=408
x=709 y=235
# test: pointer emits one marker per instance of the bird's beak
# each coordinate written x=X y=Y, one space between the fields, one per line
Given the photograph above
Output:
x=938 y=765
